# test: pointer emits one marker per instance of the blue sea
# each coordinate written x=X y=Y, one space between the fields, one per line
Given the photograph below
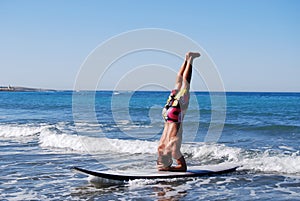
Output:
x=42 y=138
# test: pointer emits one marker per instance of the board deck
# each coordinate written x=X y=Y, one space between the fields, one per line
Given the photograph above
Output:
x=195 y=171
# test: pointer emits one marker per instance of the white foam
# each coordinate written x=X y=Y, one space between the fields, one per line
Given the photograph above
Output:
x=279 y=163
x=137 y=183
x=287 y=148
x=205 y=151
x=19 y=131
x=284 y=161
x=264 y=162
x=49 y=138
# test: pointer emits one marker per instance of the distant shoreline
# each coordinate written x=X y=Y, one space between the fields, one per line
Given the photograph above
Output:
x=30 y=89
x=21 y=89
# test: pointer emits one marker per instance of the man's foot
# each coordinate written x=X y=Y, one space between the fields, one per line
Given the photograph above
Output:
x=193 y=54
x=187 y=56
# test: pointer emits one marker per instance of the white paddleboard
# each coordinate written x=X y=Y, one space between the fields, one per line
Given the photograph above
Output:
x=193 y=171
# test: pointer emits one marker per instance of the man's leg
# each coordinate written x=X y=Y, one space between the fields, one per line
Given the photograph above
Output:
x=187 y=74
x=180 y=73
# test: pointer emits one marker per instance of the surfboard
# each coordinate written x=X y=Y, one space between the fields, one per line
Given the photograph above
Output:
x=194 y=171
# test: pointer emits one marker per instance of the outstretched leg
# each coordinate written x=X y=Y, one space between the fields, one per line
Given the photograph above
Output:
x=179 y=77
x=187 y=74
x=184 y=74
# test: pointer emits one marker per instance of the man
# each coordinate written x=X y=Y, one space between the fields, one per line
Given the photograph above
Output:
x=173 y=114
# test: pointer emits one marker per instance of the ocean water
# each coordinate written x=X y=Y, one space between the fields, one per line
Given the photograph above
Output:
x=41 y=139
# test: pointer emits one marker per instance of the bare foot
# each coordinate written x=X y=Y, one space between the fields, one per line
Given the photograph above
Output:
x=187 y=56
x=194 y=54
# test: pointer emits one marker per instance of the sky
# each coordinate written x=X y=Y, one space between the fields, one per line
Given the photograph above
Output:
x=255 y=44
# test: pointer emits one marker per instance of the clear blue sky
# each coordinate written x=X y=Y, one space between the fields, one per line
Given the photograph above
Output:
x=255 y=44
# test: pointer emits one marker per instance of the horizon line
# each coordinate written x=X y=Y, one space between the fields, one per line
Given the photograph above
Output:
x=21 y=88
